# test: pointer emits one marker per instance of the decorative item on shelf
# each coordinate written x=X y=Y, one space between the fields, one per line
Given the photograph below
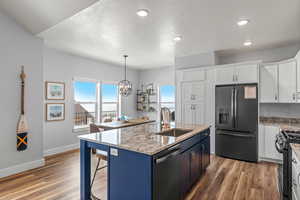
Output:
x=146 y=98
x=55 y=90
x=125 y=85
x=22 y=127
x=55 y=112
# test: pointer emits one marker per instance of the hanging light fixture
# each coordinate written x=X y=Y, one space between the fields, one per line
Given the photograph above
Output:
x=125 y=87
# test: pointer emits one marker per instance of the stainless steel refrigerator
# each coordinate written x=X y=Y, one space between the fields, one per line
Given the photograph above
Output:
x=237 y=121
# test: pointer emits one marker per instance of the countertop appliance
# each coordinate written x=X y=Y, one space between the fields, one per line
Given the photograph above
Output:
x=282 y=144
x=236 y=121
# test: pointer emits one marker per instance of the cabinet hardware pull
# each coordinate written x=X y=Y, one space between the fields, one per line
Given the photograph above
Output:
x=294 y=161
x=276 y=97
x=294 y=96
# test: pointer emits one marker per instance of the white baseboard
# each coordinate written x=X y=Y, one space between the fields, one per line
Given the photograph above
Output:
x=62 y=149
x=21 y=168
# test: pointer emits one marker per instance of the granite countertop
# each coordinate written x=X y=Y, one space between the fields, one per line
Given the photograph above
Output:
x=288 y=124
x=296 y=149
x=122 y=124
x=142 y=138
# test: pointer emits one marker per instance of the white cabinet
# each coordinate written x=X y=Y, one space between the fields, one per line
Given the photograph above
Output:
x=193 y=113
x=247 y=74
x=236 y=74
x=278 y=82
x=287 y=82
x=193 y=98
x=267 y=150
x=193 y=91
x=268 y=84
x=225 y=75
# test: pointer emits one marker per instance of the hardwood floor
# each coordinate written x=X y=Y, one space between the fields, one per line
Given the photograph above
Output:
x=225 y=179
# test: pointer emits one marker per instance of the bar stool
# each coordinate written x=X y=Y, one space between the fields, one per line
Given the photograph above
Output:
x=101 y=155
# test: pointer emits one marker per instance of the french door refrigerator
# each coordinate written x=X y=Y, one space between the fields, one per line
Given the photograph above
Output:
x=237 y=121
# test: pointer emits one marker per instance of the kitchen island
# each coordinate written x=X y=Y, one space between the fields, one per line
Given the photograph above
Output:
x=147 y=162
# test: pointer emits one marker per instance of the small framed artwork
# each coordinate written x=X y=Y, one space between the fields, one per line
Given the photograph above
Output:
x=55 y=90
x=55 y=112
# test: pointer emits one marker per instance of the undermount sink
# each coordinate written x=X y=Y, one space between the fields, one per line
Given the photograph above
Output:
x=175 y=132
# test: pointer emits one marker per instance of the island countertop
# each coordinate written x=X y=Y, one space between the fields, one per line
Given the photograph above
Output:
x=142 y=138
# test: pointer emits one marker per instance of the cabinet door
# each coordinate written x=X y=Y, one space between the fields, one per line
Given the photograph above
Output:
x=198 y=113
x=186 y=91
x=205 y=153
x=187 y=113
x=270 y=137
x=196 y=167
x=246 y=74
x=185 y=168
x=225 y=75
x=287 y=82
x=193 y=91
x=269 y=83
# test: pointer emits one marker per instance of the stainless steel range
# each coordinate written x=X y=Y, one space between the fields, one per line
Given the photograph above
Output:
x=282 y=144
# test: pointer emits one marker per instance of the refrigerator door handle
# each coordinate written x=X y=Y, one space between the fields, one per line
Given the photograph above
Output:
x=235 y=107
x=232 y=107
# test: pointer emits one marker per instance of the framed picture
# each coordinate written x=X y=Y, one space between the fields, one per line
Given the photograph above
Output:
x=55 y=112
x=55 y=90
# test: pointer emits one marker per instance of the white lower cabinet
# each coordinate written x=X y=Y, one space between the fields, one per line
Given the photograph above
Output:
x=267 y=137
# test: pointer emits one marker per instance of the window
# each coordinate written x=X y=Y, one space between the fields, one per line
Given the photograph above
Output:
x=110 y=102
x=89 y=107
x=167 y=98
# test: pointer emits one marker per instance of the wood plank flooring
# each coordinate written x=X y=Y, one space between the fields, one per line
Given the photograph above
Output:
x=225 y=179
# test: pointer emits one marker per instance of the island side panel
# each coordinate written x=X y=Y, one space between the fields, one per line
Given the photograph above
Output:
x=85 y=170
x=130 y=175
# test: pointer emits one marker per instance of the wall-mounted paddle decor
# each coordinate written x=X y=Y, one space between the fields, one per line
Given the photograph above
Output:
x=22 y=127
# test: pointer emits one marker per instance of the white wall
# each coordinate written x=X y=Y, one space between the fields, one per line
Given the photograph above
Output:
x=197 y=60
x=266 y=55
x=159 y=76
x=20 y=48
x=59 y=66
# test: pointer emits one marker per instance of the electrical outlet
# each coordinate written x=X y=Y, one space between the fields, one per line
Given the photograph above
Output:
x=114 y=152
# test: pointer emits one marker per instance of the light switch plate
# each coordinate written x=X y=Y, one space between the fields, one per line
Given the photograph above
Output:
x=114 y=152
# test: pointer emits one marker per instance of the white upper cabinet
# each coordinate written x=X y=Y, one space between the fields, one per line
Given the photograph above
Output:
x=268 y=84
x=237 y=74
x=193 y=91
x=287 y=82
x=247 y=74
x=225 y=75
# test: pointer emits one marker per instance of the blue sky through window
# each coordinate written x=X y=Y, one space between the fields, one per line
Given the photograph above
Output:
x=85 y=91
x=109 y=93
x=167 y=93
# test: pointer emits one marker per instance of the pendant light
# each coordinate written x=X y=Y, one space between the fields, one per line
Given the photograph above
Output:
x=125 y=87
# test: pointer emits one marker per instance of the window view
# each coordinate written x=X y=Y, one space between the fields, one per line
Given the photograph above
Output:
x=167 y=98
x=88 y=107
x=85 y=103
x=110 y=102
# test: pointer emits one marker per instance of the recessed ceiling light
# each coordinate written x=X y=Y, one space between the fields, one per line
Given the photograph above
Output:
x=243 y=22
x=177 y=38
x=247 y=43
x=142 y=13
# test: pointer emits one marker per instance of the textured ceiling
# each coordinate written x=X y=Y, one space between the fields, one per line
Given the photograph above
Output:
x=110 y=28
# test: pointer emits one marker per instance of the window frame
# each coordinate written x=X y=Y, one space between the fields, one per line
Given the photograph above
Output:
x=98 y=102
x=118 y=99
x=160 y=102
